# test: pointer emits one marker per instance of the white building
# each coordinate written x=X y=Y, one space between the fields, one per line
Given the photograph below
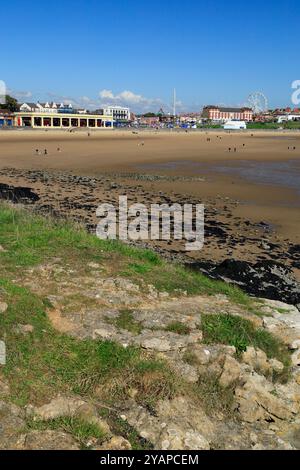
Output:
x=119 y=113
x=288 y=117
x=45 y=107
x=235 y=125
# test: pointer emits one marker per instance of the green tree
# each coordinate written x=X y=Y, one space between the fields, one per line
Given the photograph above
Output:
x=149 y=115
x=10 y=103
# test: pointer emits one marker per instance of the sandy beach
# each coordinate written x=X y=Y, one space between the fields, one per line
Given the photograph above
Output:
x=247 y=180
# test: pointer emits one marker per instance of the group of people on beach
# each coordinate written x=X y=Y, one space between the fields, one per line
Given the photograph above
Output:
x=45 y=151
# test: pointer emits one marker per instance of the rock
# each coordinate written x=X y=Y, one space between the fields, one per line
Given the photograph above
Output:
x=174 y=438
x=257 y=359
x=158 y=344
x=11 y=423
x=161 y=341
x=276 y=306
x=186 y=371
x=201 y=353
x=231 y=350
x=163 y=295
x=267 y=279
x=115 y=443
x=126 y=284
x=2 y=353
x=231 y=372
x=257 y=403
x=3 y=307
x=94 y=265
x=297 y=378
x=295 y=358
x=177 y=424
x=50 y=440
x=23 y=329
x=292 y=435
x=105 y=332
x=18 y=194
x=58 y=407
x=4 y=387
x=276 y=365
x=294 y=345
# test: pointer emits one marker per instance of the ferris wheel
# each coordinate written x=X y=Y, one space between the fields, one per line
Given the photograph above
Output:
x=258 y=102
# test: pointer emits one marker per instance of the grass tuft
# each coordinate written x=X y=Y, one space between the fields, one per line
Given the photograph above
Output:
x=126 y=321
x=179 y=328
x=240 y=332
x=81 y=430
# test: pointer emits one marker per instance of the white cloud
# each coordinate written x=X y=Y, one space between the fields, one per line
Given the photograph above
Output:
x=81 y=102
x=20 y=95
x=106 y=94
x=138 y=102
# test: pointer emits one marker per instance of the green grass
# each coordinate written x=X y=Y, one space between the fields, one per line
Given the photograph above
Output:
x=240 y=332
x=44 y=363
x=31 y=240
x=213 y=397
x=81 y=430
x=126 y=321
x=172 y=278
x=274 y=125
x=282 y=310
x=179 y=328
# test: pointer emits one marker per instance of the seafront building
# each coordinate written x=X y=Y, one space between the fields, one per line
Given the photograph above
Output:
x=216 y=113
x=119 y=113
x=6 y=118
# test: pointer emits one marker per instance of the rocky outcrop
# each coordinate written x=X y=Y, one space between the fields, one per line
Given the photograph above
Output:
x=18 y=194
x=267 y=279
x=258 y=401
x=178 y=425
x=58 y=407
x=48 y=440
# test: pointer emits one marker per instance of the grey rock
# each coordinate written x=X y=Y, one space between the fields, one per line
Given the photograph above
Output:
x=257 y=359
x=23 y=329
x=115 y=443
x=173 y=437
x=58 y=407
x=2 y=353
x=50 y=440
x=201 y=353
x=258 y=403
x=3 y=307
x=231 y=372
x=296 y=358
x=4 y=387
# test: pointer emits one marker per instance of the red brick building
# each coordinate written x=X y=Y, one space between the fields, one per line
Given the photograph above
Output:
x=216 y=113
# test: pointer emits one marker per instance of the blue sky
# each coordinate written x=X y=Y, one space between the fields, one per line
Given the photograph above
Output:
x=134 y=52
